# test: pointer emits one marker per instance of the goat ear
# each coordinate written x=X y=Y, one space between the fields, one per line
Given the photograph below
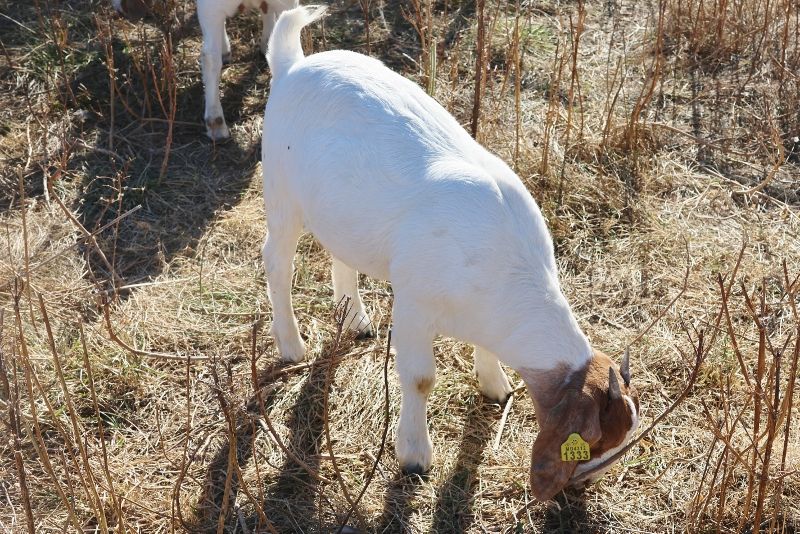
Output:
x=577 y=413
x=625 y=367
x=614 y=391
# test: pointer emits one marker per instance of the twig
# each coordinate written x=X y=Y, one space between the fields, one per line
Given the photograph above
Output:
x=776 y=165
x=479 y=69
x=383 y=435
x=266 y=424
x=94 y=497
x=78 y=241
x=232 y=466
x=100 y=150
x=138 y=352
x=506 y=410
x=100 y=427
x=789 y=210
x=87 y=234
x=185 y=461
x=23 y=212
x=13 y=411
x=700 y=353
x=36 y=437
x=340 y=313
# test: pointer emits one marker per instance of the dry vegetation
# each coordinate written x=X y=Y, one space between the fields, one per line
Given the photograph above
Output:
x=640 y=128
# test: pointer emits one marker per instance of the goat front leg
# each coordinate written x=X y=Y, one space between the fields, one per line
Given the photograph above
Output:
x=212 y=24
x=345 y=288
x=492 y=380
x=226 y=45
x=269 y=16
x=279 y=248
x=416 y=368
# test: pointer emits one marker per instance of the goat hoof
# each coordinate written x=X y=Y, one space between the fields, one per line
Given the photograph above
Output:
x=216 y=129
x=494 y=387
x=502 y=400
x=291 y=346
x=226 y=58
x=414 y=469
x=366 y=333
x=292 y=352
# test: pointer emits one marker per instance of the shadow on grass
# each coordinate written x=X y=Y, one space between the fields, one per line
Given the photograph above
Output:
x=294 y=489
x=453 y=511
x=454 y=499
x=115 y=146
x=294 y=493
x=396 y=505
x=105 y=144
x=178 y=200
x=567 y=513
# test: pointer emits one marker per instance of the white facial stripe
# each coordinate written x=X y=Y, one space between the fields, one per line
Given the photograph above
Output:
x=585 y=466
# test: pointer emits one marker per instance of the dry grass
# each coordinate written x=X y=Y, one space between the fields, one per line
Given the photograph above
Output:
x=638 y=127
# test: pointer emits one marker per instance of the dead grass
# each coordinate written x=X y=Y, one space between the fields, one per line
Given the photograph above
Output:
x=633 y=144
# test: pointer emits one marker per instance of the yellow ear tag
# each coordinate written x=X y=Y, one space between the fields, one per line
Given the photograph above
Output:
x=575 y=449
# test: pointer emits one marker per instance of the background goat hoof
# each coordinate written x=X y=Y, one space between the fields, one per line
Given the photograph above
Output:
x=500 y=400
x=414 y=469
x=216 y=129
x=226 y=58
x=366 y=333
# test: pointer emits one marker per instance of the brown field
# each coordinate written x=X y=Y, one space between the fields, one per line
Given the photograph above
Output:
x=140 y=390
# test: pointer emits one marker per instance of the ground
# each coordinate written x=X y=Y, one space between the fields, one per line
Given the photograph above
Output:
x=140 y=390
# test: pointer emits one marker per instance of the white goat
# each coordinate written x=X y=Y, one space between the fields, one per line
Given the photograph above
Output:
x=217 y=49
x=216 y=46
x=393 y=186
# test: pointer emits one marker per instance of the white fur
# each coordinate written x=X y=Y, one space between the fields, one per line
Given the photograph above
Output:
x=212 y=14
x=393 y=186
x=586 y=466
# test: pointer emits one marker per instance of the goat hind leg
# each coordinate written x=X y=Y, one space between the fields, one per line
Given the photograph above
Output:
x=279 y=248
x=345 y=292
x=492 y=380
x=212 y=24
x=268 y=19
x=226 y=46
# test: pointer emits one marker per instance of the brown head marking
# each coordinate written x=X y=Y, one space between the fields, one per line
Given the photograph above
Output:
x=586 y=401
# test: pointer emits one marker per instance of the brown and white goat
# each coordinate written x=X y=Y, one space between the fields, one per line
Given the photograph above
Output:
x=390 y=183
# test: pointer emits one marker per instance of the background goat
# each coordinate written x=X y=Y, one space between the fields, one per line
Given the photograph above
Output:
x=211 y=15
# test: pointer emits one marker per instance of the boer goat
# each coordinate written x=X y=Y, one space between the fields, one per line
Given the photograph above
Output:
x=391 y=185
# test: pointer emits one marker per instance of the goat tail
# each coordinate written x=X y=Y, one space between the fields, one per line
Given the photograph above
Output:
x=284 y=48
